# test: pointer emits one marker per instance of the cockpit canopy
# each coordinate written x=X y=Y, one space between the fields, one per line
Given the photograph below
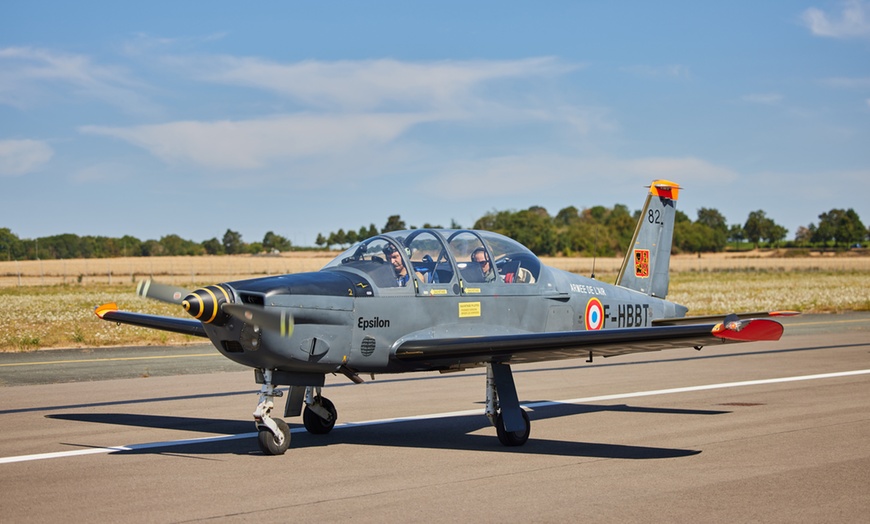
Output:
x=440 y=256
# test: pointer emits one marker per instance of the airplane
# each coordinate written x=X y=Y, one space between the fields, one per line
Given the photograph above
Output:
x=441 y=300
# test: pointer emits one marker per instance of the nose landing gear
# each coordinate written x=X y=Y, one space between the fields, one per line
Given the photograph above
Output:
x=273 y=433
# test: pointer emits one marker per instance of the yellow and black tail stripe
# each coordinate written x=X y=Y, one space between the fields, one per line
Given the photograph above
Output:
x=205 y=303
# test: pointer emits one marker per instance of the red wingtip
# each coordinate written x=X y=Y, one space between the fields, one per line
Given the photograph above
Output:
x=784 y=313
x=105 y=308
x=749 y=330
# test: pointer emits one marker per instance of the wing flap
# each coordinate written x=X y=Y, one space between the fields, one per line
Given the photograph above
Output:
x=184 y=326
x=721 y=318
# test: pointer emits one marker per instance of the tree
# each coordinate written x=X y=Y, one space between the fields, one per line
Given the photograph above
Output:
x=273 y=242
x=756 y=226
x=320 y=241
x=175 y=245
x=713 y=219
x=567 y=216
x=10 y=245
x=213 y=246
x=351 y=237
x=233 y=242
x=803 y=235
x=394 y=223
x=736 y=233
x=775 y=233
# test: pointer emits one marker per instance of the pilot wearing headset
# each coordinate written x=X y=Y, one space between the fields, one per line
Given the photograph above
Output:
x=399 y=269
x=481 y=257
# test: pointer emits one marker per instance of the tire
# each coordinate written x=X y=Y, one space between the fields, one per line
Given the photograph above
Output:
x=269 y=444
x=513 y=438
x=317 y=425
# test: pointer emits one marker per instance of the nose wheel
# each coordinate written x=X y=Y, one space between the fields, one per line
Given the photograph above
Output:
x=273 y=434
x=274 y=443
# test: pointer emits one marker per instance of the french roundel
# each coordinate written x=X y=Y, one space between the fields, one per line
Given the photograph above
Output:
x=594 y=314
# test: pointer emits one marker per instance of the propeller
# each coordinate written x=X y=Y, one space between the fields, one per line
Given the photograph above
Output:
x=162 y=292
x=213 y=305
x=280 y=321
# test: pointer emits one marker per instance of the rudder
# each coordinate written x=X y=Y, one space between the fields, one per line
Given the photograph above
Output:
x=647 y=261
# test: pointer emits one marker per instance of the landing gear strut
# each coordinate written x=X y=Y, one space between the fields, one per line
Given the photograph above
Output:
x=503 y=409
x=274 y=434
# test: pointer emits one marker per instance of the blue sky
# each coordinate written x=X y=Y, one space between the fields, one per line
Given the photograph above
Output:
x=304 y=117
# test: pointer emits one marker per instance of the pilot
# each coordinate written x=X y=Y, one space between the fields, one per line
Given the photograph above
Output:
x=480 y=256
x=401 y=272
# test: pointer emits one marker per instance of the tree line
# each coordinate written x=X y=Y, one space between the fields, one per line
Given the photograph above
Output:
x=603 y=231
x=67 y=246
x=594 y=231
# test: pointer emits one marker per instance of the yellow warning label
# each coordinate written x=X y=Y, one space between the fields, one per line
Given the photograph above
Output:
x=469 y=309
x=472 y=290
x=437 y=291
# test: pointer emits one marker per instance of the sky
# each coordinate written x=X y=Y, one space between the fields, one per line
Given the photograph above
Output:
x=191 y=118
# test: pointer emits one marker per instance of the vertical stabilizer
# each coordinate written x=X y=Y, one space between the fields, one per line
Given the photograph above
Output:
x=646 y=263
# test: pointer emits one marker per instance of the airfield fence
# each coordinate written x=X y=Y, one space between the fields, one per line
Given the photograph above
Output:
x=209 y=269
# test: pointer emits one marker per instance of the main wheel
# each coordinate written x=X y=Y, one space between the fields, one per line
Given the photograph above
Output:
x=316 y=424
x=269 y=443
x=513 y=438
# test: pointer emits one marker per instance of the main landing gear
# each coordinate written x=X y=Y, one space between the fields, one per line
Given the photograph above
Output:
x=273 y=434
x=503 y=409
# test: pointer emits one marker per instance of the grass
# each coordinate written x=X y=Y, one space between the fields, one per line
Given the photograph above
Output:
x=61 y=315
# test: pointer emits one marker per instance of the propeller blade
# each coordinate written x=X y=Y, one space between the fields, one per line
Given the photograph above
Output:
x=162 y=292
x=280 y=321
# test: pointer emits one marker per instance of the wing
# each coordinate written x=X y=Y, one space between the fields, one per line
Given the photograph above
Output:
x=536 y=347
x=185 y=326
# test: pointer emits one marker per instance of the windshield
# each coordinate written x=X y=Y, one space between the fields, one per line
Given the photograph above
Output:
x=433 y=256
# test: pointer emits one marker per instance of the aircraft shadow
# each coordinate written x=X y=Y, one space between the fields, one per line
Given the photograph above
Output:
x=453 y=433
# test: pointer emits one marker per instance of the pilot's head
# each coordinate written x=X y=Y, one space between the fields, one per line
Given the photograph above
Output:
x=479 y=256
x=395 y=258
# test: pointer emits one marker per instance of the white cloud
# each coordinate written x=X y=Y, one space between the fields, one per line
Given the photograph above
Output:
x=763 y=98
x=28 y=76
x=19 y=157
x=853 y=21
x=545 y=173
x=667 y=71
x=256 y=143
x=351 y=109
x=368 y=84
x=848 y=83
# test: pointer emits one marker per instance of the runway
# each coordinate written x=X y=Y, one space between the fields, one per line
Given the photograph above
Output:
x=778 y=432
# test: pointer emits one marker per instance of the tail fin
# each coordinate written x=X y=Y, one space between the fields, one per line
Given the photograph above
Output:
x=645 y=267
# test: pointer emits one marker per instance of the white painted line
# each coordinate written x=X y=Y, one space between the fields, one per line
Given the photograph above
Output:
x=533 y=405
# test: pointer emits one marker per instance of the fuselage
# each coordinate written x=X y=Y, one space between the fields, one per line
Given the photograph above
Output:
x=355 y=311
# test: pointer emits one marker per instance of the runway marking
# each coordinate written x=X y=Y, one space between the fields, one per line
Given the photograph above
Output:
x=531 y=405
x=825 y=323
x=117 y=359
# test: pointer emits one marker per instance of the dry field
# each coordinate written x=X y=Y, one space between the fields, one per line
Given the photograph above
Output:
x=49 y=304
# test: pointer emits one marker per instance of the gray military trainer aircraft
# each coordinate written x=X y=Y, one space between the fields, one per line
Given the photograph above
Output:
x=441 y=300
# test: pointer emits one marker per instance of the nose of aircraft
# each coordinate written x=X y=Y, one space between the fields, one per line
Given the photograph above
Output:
x=205 y=303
